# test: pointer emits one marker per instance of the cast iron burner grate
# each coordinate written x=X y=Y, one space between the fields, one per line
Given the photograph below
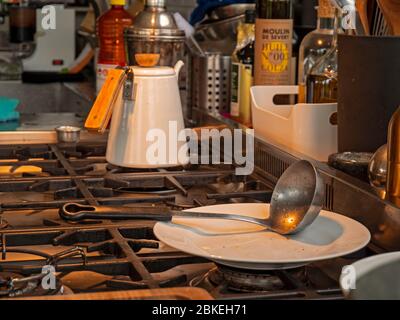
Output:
x=91 y=257
x=121 y=254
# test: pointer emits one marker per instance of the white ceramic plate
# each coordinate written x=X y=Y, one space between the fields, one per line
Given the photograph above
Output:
x=245 y=245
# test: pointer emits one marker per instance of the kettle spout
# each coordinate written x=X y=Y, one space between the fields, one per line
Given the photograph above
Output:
x=178 y=67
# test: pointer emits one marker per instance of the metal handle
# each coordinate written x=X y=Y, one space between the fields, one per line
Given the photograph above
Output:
x=128 y=92
x=77 y=212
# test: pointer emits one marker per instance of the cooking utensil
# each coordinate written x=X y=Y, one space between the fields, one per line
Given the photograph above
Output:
x=155 y=31
x=248 y=246
x=149 y=99
x=373 y=278
x=391 y=12
x=377 y=169
x=68 y=134
x=78 y=212
x=295 y=204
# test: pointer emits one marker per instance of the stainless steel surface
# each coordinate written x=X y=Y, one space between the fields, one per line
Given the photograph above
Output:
x=68 y=134
x=45 y=107
x=155 y=3
x=155 y=31
x=76 y=212
x=377 y=169
x=210 y=87
x=155 y=16
x=231 y=10
x=40 y=137
x=225 y=29
x=297 y=199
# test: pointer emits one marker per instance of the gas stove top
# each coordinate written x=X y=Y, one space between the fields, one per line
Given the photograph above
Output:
x=108 y=256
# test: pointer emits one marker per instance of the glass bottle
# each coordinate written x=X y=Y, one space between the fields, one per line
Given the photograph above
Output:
x=316 y=43
x=322 y=80
x=242 y=71
x=110 y=32
x=273 y=44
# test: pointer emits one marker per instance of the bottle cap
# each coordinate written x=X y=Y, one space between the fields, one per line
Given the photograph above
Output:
x=117 y=2
x=326 y=9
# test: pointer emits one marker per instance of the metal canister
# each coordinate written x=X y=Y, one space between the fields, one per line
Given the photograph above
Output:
x=210 y=88
x=155 y=31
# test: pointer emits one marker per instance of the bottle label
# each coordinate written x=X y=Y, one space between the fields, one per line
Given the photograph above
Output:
x=235 y=89
x=242 y=80
x=273 y=51
x=101 y=74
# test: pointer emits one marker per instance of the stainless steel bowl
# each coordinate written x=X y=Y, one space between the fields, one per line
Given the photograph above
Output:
x=231 y=10
x=225 y=29
x=68 y=134
x=297 y=199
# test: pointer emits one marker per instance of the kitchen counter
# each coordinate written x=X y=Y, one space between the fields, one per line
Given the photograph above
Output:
x=44 y=107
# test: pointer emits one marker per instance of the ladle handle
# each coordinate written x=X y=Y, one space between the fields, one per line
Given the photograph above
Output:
x=78 y=212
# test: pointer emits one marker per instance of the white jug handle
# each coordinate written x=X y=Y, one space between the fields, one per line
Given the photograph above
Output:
x=178 y=67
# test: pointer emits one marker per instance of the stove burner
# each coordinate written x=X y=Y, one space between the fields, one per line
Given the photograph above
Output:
x=14 y=285
x=247 y=281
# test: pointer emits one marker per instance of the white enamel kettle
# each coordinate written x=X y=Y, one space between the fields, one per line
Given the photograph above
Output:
x=147 y=127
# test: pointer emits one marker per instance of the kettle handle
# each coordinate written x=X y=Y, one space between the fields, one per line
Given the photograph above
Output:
x=178 y=67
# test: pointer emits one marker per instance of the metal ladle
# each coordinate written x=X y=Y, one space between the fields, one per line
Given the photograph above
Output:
x=296 y=202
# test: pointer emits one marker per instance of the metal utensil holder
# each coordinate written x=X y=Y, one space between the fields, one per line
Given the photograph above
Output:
x=210 y=88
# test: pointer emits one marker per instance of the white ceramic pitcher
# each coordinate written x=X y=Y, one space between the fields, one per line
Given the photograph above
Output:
x=148 y=120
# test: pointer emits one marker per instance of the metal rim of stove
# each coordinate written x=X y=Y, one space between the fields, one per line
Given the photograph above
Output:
x=241 y=280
